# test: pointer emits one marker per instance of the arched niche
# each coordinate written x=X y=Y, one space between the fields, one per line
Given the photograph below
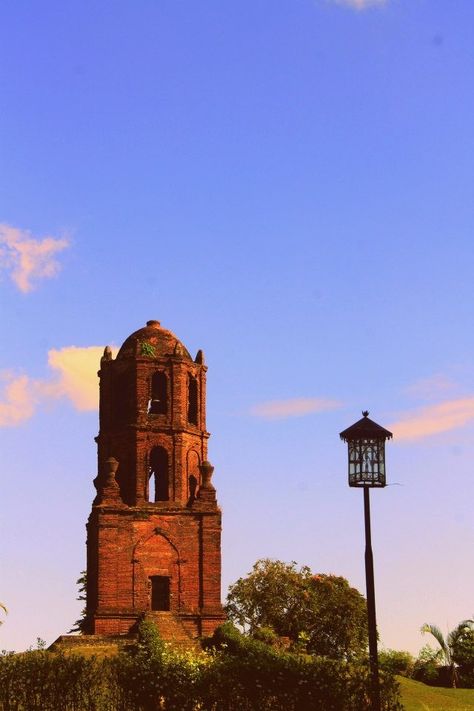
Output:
x=193 y=400
x=156 y=574
x=158 y=404
x=158 y=475
x=192 y=474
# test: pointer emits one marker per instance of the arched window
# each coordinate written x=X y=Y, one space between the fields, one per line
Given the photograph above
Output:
x=121 y=411
x=192 y=469
x=158 y=483
x=159 y=394
x=192 y=400
x=192 y=484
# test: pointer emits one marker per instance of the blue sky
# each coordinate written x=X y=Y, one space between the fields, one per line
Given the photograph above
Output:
x=289 y=187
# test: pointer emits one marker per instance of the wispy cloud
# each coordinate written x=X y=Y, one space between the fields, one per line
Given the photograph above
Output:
x=361 y=4
x=433 y=387
x=434 y=419
x=296 y=407
x=19 y=400
x=74 y=377
x=26 y=259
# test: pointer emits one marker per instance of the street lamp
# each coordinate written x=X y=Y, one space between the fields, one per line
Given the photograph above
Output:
x=366 y=446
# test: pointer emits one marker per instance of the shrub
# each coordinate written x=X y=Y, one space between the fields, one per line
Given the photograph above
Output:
x=426 y=667
x=396 y=662
x=47 y=681
x=247 y=674
x=237 y=674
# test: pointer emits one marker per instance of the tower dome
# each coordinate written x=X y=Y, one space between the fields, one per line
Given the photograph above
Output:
x=152 y=341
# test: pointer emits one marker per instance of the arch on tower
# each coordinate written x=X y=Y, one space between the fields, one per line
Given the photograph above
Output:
x=158 y=403
x=158 y=486
x=193 y=461
x=156 y=573
x=193 y=400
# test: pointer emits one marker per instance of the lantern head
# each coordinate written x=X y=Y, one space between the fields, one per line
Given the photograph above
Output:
x=366 y=444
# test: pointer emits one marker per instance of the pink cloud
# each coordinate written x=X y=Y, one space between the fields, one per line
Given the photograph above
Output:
x=433 y=387
x=74 y=378
x=27 y=259
x=361 y=4
x=18 y=402
x=434 y=419
x=296 y=407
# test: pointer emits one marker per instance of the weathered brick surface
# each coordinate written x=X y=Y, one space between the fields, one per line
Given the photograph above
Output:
x=131 y=539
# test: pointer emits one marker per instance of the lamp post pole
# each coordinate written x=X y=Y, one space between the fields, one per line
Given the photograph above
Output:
x=366 y=448
x=371 y=618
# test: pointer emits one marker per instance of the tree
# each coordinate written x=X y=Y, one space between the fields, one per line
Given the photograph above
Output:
x=463 y=646
x=320 y=613
x=453 y=644
x=81 y=582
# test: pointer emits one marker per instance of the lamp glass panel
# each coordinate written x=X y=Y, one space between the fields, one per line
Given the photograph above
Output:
x=366 y=462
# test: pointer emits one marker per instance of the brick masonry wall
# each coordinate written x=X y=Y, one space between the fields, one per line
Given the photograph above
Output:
x=130 y=538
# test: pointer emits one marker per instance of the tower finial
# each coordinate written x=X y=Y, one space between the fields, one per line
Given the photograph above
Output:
x=365 y=413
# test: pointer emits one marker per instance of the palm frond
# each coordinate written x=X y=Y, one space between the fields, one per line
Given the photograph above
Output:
x=439 y=637
x=458 y=631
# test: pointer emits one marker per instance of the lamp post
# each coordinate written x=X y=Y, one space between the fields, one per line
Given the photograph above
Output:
x=366 y=445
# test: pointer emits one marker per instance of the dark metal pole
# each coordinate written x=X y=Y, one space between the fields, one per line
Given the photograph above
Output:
x=369 y=577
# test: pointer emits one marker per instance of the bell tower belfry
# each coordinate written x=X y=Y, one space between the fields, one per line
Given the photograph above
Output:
x=153 y=543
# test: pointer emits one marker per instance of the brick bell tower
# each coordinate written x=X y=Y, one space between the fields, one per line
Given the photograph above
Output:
x=153 y=536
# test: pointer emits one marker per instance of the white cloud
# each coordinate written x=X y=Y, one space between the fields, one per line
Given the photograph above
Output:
x=361 y=4
x=27 y=259
x=434 y=419
x=77 y=375
x=74 y=377
x=296 y=407
x=19 y=401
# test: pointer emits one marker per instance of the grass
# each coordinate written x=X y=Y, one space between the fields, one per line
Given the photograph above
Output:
x=419 y=697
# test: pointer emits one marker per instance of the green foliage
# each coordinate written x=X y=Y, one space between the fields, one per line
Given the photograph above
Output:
x=46 y=681
x=456 y=648
x=338 y=618
x=396 y=662
x=2 y=607
x=463 y=654
x=271 y=595
x=268 y=636
x=321 y=614
x=427 y=665
x=462 y=643
x=238 y=674
x=80 y=623
x=151 y=676
x=248 y=674
x=146 y=349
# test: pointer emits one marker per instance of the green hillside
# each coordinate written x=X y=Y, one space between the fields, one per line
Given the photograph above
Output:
x=419 y=697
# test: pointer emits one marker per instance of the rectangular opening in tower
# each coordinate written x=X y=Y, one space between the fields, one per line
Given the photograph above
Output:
x=160 y=592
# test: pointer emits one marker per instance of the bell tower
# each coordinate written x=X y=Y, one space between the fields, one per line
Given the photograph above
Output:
x=153 y=543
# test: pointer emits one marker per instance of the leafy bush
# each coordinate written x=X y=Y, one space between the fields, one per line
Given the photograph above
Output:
x=47 y=681
x=466 y=678
x=248 y=674
x=426 y=667
x=321 y=613
x=396 y=662
x=237 y=674
x=463 y=648
x=151 y=676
